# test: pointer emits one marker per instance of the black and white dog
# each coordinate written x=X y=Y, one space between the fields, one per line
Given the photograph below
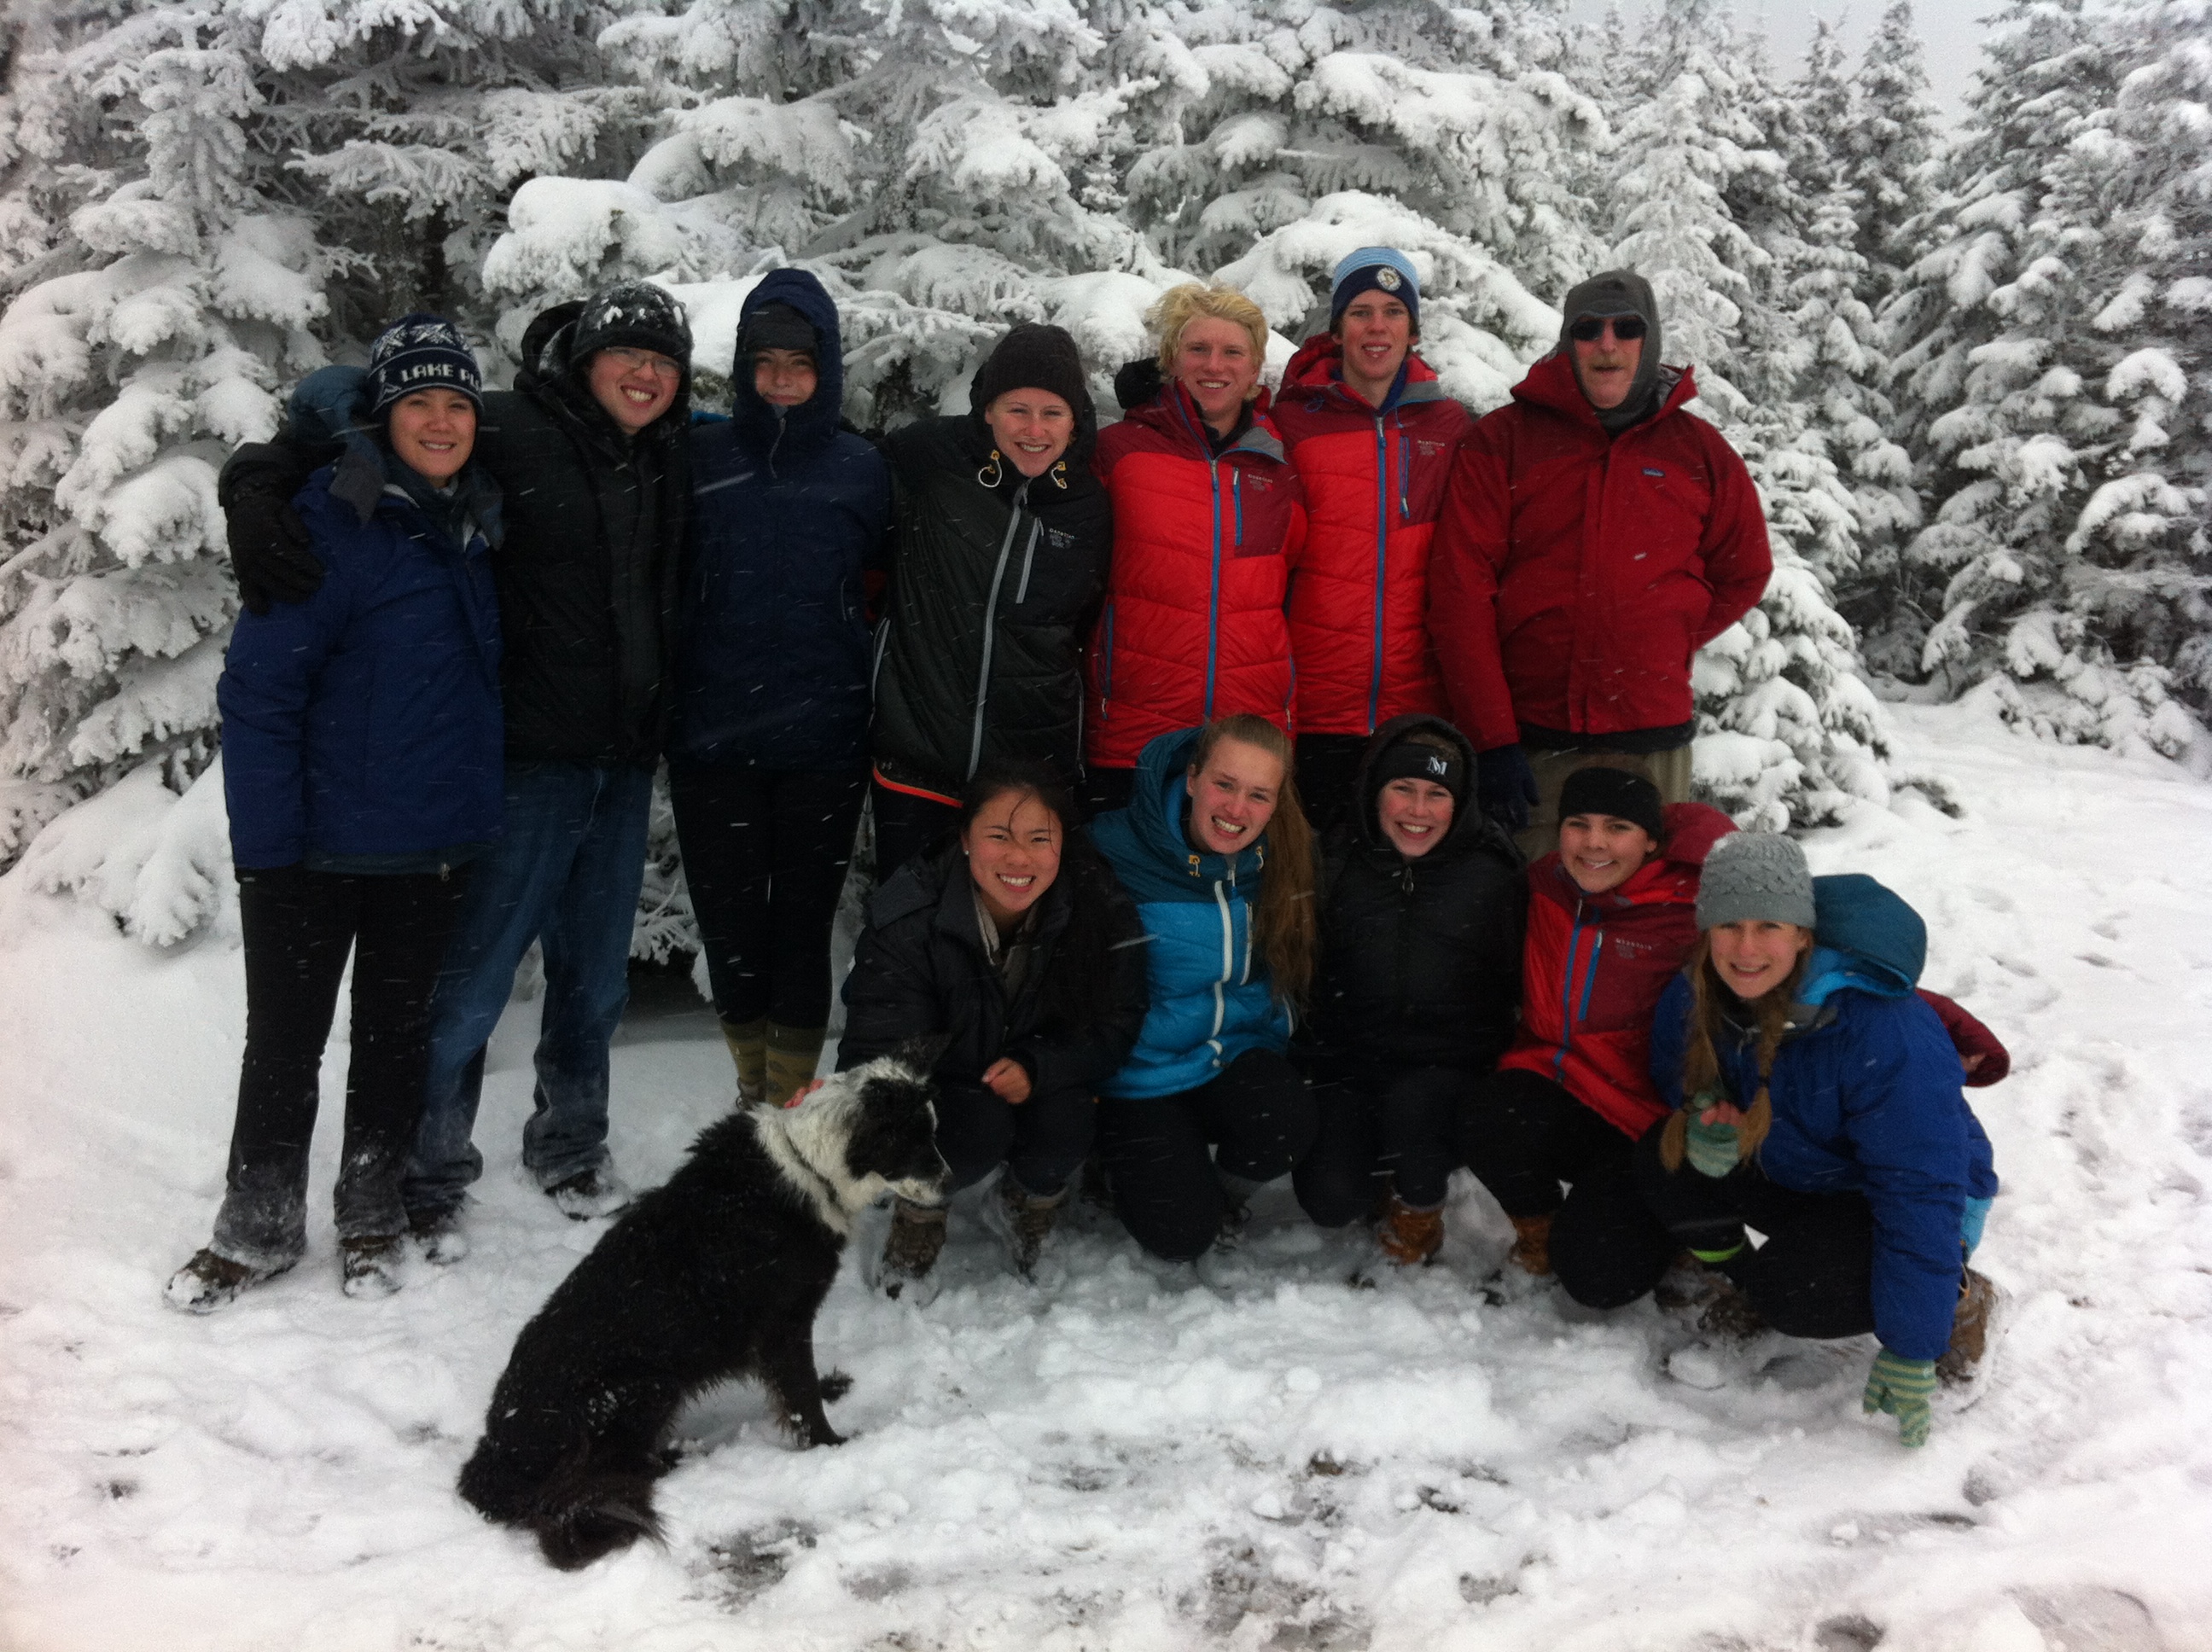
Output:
x=715 y=1275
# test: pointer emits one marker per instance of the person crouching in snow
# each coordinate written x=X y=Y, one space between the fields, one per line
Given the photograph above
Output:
x=1216 y=853
x=1814 y=1097
x=1610 y=920
x=1421 y=913
x=1015 y=945
x=361 y=751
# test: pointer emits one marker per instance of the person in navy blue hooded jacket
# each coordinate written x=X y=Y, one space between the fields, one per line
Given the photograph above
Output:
x=1817 y=1098
x=767 y=757
x=361 y=749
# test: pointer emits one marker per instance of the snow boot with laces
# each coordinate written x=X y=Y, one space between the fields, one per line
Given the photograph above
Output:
x=1025 y=1221
x=368 y=1264
x=1410 y=1234
x=209 y=1282
x=911 y=1248
x=1532 y=1246
x=1976 y=1325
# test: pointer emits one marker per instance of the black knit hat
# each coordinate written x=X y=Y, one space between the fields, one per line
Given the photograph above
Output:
x=776 y=326
x=636 y=313
x=1035 y=356
x=421 y=352
x=1419 y=759
x=1617 y=792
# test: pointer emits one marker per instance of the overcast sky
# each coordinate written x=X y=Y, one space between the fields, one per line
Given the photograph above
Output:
x=1950 y=29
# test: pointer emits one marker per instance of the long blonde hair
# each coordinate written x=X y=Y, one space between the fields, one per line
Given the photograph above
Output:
x=1283 y=927
x=1701 y=1061
x=1181 y=306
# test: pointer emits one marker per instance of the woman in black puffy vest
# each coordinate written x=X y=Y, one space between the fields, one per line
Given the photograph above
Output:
x=998 y=560
x=1423 y=904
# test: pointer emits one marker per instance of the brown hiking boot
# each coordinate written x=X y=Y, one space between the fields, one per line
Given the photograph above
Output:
x=1532 y=1246
x=1728 y=1312
x=209 y=1282
x=1408 y=1235
x=1027 y=1220
x=910 y=1251
x=1973 y=1327
x=1695 y=1287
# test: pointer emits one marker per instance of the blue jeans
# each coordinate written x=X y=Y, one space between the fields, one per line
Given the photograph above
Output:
x=566 y=875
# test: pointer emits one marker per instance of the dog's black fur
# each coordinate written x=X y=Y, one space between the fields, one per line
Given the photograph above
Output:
x=715 y=1275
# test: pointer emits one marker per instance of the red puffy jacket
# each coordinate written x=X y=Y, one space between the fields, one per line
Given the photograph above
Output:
x=1374 y=485
x=1575 y=576
x=1594 y=966
x=1193 y=626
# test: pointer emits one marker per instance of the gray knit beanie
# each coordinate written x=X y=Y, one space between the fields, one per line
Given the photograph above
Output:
x=1754 y=875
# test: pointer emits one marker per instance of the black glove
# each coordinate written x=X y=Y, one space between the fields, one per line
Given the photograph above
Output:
x=269 y=554
x=1505 y=786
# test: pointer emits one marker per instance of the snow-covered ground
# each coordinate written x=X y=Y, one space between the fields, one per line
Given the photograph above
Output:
x=1139 y=1458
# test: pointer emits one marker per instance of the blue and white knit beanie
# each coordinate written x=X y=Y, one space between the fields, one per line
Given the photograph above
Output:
x=1749 y=876
x=421 y=352
x=1375 y=269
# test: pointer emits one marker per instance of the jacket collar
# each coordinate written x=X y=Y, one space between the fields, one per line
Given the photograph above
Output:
x=1551 y=384
x=1156 y=815
x=1316 y=371
x=1174 y=413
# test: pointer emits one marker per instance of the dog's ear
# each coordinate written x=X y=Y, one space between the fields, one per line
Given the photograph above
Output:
x=921 y=1053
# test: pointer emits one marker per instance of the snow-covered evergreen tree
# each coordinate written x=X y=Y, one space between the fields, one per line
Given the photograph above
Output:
x=1296 y=134
x=2057 y=355
x=1891 y=141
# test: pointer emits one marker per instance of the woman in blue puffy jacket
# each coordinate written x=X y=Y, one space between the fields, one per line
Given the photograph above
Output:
x=362 y=752
x=1214 y=851
x=768 y=758
x=1816 y=1098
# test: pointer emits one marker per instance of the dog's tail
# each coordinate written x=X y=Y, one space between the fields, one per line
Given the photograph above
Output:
x=580 y=1511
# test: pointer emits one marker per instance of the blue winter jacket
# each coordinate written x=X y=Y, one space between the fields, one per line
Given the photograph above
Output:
x=1210 y=1000
x=1866 y=1097
x=773 y=667
x=365 y=721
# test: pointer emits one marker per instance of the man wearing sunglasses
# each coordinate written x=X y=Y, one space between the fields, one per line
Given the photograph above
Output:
x=1595 y=536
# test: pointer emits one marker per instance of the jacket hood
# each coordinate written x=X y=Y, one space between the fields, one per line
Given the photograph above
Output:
x=1880 y=943
x=1316 y=371
x=1157 y=798
x=1460 y=833
x=1550 y=383
x=805 y=429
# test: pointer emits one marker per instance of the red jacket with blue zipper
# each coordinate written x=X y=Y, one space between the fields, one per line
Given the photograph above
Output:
x=1575 y=576
x=1594 y=966
x=1193 y=626
x=1373 y=479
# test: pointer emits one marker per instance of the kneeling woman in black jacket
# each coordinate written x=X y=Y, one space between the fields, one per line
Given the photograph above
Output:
x=1016 y=945
x=1423 y=905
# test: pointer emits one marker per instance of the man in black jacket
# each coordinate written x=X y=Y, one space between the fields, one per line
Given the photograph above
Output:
x=590 y=451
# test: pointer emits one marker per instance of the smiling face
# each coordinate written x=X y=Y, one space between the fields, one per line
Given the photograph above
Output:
x=1604 y=852
x=1414 y=815
x=1014 y=845
x=1376 y=331
x=636 y=386
x=433 y=431
x=1606 y=366
x=1233 y=796
x=1031 y=428
x=1756 y=955
x=1215 y=362
x=784 y=377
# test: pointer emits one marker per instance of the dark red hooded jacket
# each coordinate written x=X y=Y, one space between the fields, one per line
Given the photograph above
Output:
x=1594 y=966
x=1374 y=482
x=1574 y=576
x=1193 y=625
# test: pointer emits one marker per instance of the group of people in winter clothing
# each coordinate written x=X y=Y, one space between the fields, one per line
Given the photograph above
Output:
x=1261 y=787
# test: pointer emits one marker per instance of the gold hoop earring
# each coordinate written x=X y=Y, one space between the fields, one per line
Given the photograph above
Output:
x=991 y=475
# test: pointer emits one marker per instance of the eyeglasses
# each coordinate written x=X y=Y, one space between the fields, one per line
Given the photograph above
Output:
x=632 y=360
x=1587 y=329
